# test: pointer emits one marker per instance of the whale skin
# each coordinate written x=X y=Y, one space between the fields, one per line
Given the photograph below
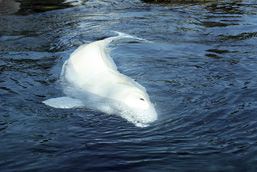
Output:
x=91 y=79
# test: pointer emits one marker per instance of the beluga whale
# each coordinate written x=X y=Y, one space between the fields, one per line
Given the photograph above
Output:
x=91 y=79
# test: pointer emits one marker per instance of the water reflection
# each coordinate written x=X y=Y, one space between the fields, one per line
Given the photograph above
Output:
x=9 y=6
x=200 y=69
x=30 y=6
x=174 y=2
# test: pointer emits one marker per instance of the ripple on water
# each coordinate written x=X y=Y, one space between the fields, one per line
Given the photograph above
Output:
x=199 y=68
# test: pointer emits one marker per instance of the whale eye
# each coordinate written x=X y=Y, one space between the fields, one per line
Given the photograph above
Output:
x=137 y=101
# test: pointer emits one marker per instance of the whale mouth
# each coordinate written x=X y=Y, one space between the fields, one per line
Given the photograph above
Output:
x=138 y=120
x=141 y=124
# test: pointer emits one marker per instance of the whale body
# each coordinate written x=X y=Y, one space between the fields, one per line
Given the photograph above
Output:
x=91 y=79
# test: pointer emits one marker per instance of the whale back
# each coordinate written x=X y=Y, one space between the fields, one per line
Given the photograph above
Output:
x=92 y=56
x=90 y=67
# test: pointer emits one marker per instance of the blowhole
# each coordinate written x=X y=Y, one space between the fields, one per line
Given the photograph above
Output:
x=142 y=99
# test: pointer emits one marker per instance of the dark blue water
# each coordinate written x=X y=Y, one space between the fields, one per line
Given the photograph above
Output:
x=199 y=68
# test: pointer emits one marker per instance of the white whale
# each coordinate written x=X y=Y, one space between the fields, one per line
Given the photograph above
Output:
x=91 y=79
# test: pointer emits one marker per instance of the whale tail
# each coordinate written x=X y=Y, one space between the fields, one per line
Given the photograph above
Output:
x=123 y=36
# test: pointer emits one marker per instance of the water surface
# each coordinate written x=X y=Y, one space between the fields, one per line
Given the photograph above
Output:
x=199 y=68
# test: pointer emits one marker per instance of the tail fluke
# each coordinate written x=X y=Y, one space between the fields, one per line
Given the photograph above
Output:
x=123 y=36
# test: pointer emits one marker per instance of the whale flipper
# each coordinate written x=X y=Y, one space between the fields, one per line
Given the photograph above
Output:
x=64 y=103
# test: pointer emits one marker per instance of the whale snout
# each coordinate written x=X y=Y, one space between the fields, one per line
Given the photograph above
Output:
x=150 y=117
x=144 y=118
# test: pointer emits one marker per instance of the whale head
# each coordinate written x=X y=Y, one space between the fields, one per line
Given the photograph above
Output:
x=135 y=106
x=137 y=100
